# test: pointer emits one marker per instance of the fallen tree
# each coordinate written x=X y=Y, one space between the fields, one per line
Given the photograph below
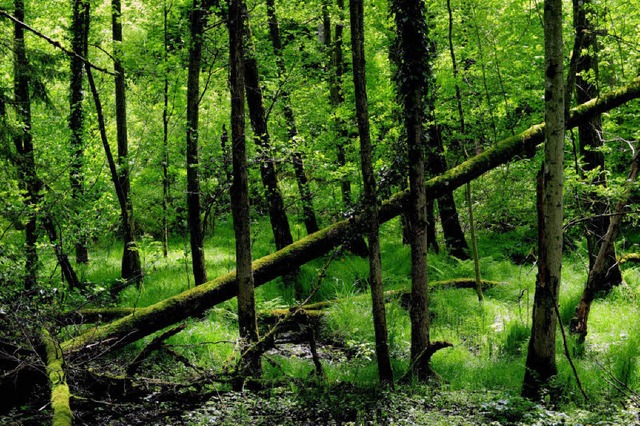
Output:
x=196 y=301
x=60 y=394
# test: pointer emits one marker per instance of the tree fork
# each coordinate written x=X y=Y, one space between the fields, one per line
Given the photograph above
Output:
x=196 y=301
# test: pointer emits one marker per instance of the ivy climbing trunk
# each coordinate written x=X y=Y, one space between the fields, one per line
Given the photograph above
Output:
x=413 y=69
x=541 y=356
x=590 y=137
x=250 y=357
x=385 y=372
x=306 y=197
x=196 y=236
x=131 y=267
x=79 y=42
x=258 y=118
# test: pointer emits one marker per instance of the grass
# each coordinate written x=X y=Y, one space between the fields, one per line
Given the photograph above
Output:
x=490 y=339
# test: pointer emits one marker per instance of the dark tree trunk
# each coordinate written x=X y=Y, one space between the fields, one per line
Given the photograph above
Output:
x=193 y=165
x=590 y=135
x=79 y=35
x=309 y=216
x=250 y=358
x=131 y=268
x=165 y=140
x=453 y=235
x=541 y=355
x=24 y=147
x=413 y=69
x=258 y=117
x=370 y=192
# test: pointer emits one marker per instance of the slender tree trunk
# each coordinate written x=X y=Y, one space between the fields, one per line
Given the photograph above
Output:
x=463 y=131
x=599 y=273
x=370 y=192
x=413 y=69
x=131 y=268
x=309 y=216
x=258 y=117
x=541 y=356
x=590 y=135
x=336 y=95
x=240 y=196
x=79 y=35
x=193 y=172
x=24 y=146
x=165 y=139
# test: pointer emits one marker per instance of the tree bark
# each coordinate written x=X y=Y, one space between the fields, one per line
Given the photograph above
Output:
x=250 y=357
x=165 y=138
x=277 y=214
x=131 y=268
x=23 y=141
x=79 y=36
x=306 y=197
x=413 y=72
x=541 y=356
x=385 y=372
x=193 y=174
x=590 y=136
x=196 y=301
x=599 y=273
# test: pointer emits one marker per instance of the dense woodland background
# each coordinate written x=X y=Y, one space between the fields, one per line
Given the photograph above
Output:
x=139 y=183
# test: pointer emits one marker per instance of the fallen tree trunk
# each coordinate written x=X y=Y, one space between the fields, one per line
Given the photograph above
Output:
x=196 y=301
x=60 y=394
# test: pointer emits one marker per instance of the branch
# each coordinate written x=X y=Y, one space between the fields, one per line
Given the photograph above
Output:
x=55 y=43
x=60 y=394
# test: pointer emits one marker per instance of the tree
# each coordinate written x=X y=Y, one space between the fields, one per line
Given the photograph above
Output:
x=79 y=44
x=385 y=372
x=590 y=139
x=23 y=141
x=131 y=268
x=250 y=359
x=258 y=117
x=306 y=197
x=196 y=236
x=413 y=68
x=541 y=356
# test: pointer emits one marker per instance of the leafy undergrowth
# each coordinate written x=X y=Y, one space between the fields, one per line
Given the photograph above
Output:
x=481 y=374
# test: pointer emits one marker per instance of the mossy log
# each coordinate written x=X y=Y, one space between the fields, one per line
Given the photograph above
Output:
x=92 y=315
x=60 y=395
x=196 y=301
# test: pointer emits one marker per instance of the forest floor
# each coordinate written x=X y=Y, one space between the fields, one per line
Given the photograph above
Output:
x=481 y=375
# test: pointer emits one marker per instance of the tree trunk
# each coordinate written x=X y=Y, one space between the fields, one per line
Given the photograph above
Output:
x=309 y=216
x=79 y=36
x=23 y=141
x=370 y=192
x=590 y=138
x=258 y=117
x=131 y=268
x=60 y=395
x=193 y=174
x=197 y=301
x=541 y=356
x=250 y=357
x=165 y=139
x=412 y=88
x=599 y=273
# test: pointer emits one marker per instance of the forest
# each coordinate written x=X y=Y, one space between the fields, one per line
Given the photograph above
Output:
x=319 y=212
